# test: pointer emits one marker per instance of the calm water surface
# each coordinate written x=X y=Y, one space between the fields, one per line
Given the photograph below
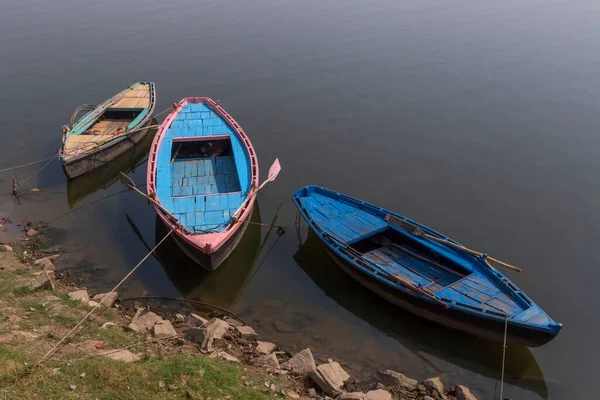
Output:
x=479 y=118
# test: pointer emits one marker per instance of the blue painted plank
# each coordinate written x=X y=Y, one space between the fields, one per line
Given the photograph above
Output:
x=212 y=203
x=200 y=204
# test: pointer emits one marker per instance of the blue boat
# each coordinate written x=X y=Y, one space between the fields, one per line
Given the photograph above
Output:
x=421 y=270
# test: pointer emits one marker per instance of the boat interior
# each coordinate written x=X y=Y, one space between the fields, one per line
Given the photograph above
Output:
x=114 y=120
x=203 y=175
x=395 y=252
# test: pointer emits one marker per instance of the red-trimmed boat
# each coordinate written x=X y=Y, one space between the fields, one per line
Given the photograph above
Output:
x=203 y=174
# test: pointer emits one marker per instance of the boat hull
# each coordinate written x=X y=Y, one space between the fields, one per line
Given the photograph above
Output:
x=97 y=159
x=214 y=260
x=480 y=327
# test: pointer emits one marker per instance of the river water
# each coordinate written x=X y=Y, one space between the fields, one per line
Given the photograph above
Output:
x=478 y=118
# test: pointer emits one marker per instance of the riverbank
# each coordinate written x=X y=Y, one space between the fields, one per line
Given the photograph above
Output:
x=132 y=352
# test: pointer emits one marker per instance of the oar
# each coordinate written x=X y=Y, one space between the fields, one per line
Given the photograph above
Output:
x=398 y=278
x=273 y=172
x=125 y=180
x=417 y=231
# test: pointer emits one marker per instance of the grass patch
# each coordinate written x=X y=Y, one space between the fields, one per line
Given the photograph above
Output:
x=107 y=379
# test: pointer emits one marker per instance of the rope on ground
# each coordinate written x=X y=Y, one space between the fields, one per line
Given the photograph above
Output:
x=202 y=303
x=28 y=164
x=57 y=346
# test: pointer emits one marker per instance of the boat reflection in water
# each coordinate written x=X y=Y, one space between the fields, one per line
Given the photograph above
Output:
x=102 y=178
x=419 y=336
x=220 y=287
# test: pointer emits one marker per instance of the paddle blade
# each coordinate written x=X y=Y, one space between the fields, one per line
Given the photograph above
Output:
x=274 y=170
x=125 y=180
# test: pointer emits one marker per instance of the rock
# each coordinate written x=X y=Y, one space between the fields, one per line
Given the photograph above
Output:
x=32 y=232
x=267 y=361
x=213 y=330
x=312 y=392
x=352 y=396
x=273 y=388
x=330 y=377
x=246 y=332
x=428 y=398
x=283 y=327
x=120 y=355
x=82 y=376
x=223 y=355
x=143 y=320
x=196 y=320
x=79 y=295
x=92 y=303
x=47 y=262
x=464 y=393
x=393 y=378
x=106 y=299
x=107 y=324
x=40 y=280
x=265 y=347
x=5 y=247
x=421 y=388
x=291 y=395
x=163 y=329
x=72 y=387
x=378 y=394
x=434 y=384
x=302 y=362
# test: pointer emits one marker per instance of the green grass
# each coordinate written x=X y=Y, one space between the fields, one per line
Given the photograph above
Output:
x=107 y=379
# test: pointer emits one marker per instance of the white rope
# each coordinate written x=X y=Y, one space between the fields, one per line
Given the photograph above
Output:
x=503 y=357
x=51 y=351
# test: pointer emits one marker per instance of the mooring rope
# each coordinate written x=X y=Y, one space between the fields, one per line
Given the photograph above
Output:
x=28 y=164
x=56 y=347
x=503 y=357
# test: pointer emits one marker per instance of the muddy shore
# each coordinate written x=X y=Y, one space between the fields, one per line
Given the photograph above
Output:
x=41 y=303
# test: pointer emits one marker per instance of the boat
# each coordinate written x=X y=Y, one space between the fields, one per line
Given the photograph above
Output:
x=107 y=130
x=416 y=342
x=105 y=176
x=421 y=270
x=203 y=179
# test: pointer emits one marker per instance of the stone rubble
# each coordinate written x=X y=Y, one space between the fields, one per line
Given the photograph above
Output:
x=330 y=377
x=393 y=378
x=265 y=347
x=302 y=362
x=464 y=393
x=434 y=384
x=246 y=332
x=106 y=299
x=163 y=329
x=143 y=320
x=223 y=355
x=196 y=320
x=79 y=295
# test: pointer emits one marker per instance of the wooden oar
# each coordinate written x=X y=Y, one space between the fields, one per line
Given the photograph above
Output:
x=125 y=180
x=417 y=231
x=396 y=277
x=273 y=172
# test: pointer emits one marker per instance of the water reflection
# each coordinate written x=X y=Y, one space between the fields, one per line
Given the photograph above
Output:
x=424 y=339
x=221 y=287
x=102 y=178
